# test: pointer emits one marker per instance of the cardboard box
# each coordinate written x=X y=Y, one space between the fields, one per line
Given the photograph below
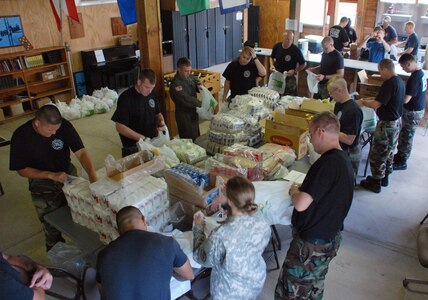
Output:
x=368 y=90
x=50 y=75
x=288 y=130
x=181 y=190
x=42 y=101
x=316 y=106
x=16 y=109
x=63 y=97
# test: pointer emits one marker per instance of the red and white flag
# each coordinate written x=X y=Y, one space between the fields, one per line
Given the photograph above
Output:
x=67 y=6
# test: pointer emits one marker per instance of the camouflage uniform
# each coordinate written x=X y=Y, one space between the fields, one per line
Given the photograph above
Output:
x=234 y=251
x=322 y=91
x=355 y=157
x=410 y=120
x=385 y=140
x=290 y=86
x=305 y=267
x=47 y=196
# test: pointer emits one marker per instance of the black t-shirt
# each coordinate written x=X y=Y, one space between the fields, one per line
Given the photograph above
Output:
x=391 y=96
x=350 y=116
x=352 y=34
x=137 y=112
x=330 y=63
x=11 y=286
x=30 y=149
x=330 y=182
x=242 y=78
x=286 y=59
x=139 y=265
x=339 y=35
x=416 y=87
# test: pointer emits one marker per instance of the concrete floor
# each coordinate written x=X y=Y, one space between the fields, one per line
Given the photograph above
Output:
x=378 y=249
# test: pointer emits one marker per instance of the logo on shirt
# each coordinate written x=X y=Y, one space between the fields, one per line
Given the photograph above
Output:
x=287 y=58
x=57 y=144
x=247 y=74
x=152 y=103
x=334 y=33
x=178 y=88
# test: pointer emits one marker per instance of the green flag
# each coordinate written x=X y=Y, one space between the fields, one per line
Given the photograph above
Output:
x=188 y=7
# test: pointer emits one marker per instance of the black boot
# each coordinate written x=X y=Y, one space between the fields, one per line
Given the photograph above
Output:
x=371 y=184
x=385 y=181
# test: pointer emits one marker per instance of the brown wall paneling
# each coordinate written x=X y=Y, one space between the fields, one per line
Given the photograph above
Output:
x=272 y=20
x=40 y=27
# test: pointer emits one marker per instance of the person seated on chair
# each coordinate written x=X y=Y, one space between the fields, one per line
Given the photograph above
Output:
x=350 y=117
x=22 y=278
x=234 y=249
x=139 y=264
x=241 y=74
x=138 y=115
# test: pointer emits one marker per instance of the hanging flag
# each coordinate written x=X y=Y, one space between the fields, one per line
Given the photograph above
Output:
x=67 y=6
x=188 y=7
x=228 y=6
x=128 y=11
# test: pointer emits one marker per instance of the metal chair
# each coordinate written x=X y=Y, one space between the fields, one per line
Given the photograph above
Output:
x=412 y=284
x=368 y=128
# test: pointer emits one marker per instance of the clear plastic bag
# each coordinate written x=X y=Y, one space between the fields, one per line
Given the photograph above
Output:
x=206 y=111
x=67 y=257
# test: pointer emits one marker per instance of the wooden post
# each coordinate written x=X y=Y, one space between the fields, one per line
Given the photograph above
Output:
x=150 y=42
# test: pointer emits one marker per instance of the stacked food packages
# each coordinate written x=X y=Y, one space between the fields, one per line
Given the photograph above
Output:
x=187 y=151
x=269 y=97
x=191 y=174
x=275 y=158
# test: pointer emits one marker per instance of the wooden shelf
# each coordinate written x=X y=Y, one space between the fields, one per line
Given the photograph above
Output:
x=50 y=93
x=41 y=82
x=11 y=73
x=33 y=83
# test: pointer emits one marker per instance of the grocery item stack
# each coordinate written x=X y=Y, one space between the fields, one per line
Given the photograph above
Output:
x=187 y=151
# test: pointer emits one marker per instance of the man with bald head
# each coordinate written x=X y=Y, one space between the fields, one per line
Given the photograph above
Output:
x=331 y=65
x=139 y=264
x=287 y=59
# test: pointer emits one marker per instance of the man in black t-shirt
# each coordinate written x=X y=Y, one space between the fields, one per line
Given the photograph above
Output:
x=413 y=110
x=139 y=264
x=321 y=205
x=40 y=151
x=241 y=74
x=389 y=108
x=331 y=65
x=350 y=116
x=287 y=59
x=138 y=115
x=339 y=35
x=22 y=278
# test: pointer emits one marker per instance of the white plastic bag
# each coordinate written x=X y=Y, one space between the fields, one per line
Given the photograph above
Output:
x=162 y=138
x=206 y=111
x=312 y=82
x=277 y=82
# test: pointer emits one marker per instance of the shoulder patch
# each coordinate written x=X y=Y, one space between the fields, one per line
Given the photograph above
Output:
x=178 y=88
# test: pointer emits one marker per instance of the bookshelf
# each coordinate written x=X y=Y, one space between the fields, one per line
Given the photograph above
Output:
x=27 y=77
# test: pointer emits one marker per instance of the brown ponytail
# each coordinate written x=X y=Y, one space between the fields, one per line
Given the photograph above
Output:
x=241 y=193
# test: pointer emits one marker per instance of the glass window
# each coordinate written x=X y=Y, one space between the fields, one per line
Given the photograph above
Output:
x=346 y=9
x=312 y=12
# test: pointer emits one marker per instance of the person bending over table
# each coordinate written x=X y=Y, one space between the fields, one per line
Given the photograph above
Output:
x=139 y=264
x=183 y=89
x=331 y=65
x=234 y=249
x=241 y=74
x=22 y=278
x=40 y=151
x=321 y=204
x=287 y=59
x=350 y=117
x=138 y=115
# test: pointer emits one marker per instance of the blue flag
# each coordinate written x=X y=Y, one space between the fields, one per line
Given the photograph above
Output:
x=128 y=11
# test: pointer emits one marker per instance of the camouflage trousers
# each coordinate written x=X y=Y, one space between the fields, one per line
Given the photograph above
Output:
x=409 y=122
x=354 y=154
x=290 y=86
x=385 y=140
x=322 y=91
x=305 y=267
x=47 y=196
